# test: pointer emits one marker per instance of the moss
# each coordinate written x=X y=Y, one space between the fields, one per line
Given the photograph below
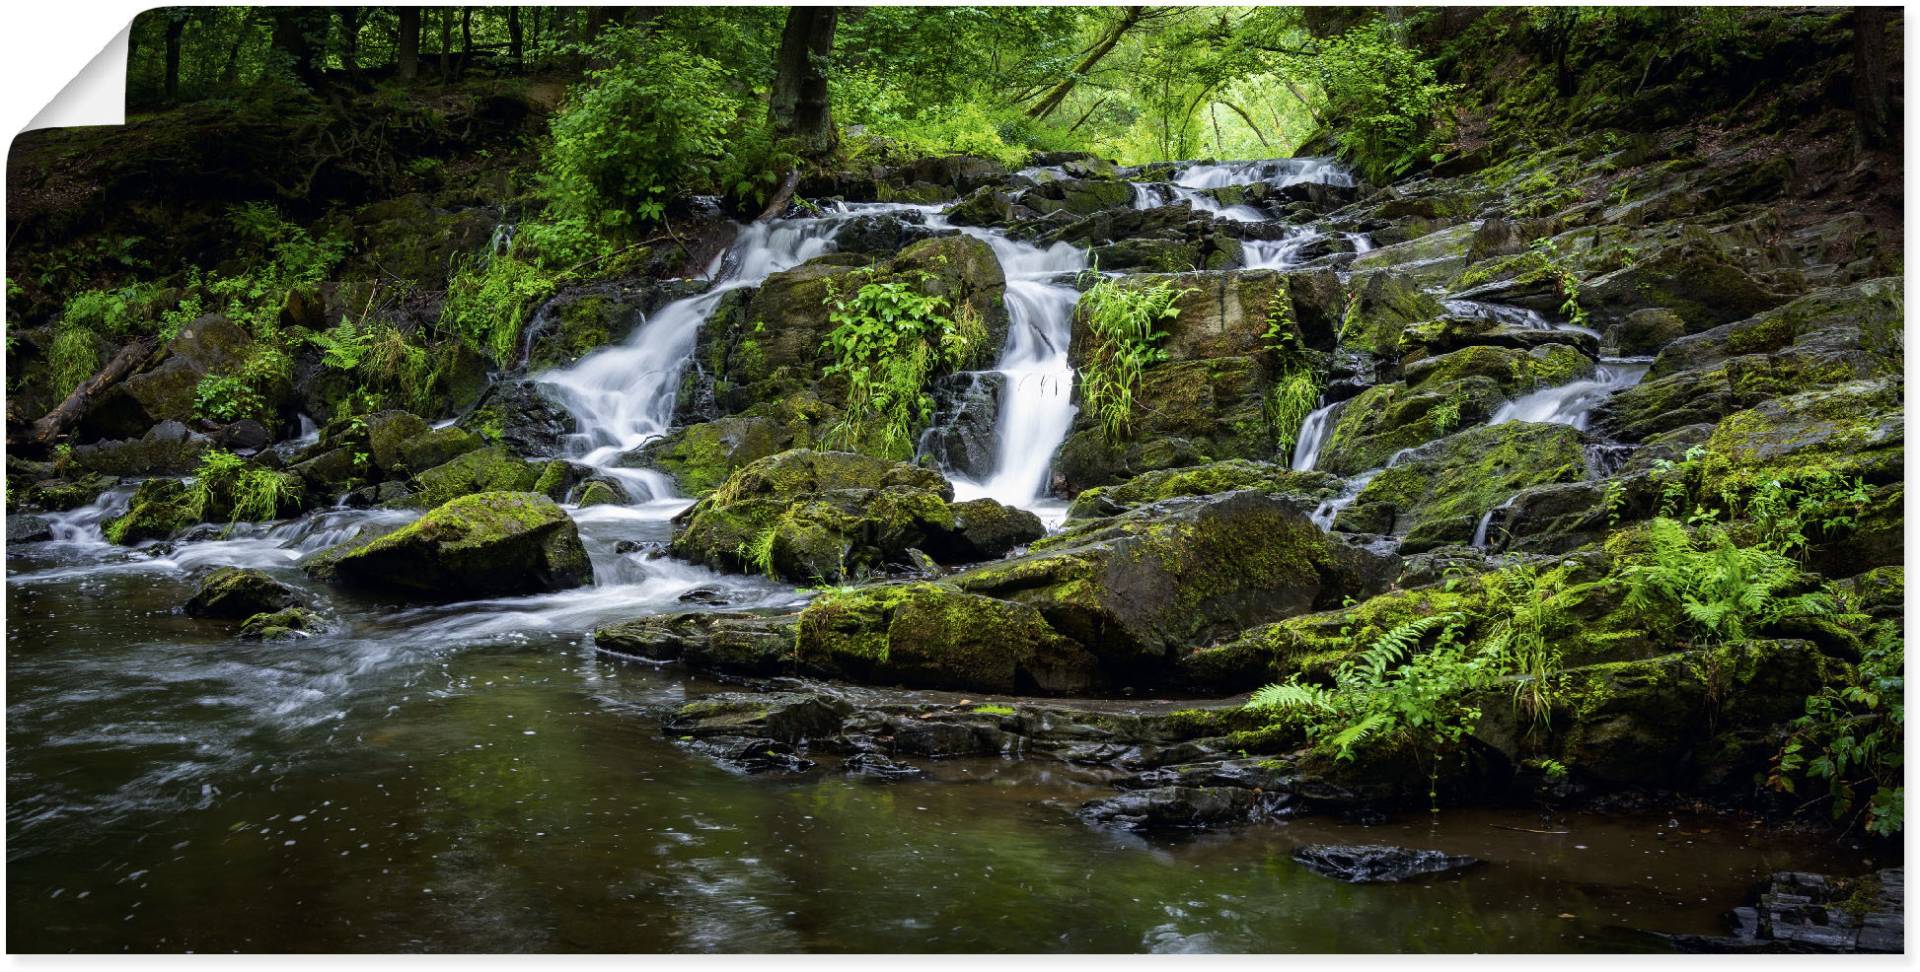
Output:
x=1441 y=495
x=993 y=710
x=476 y=545
x=160 y=508
x=932 y=635
x=293 y=622
x=493 y=469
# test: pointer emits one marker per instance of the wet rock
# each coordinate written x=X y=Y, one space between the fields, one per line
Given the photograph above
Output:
x=1186 y=413
x=961 y=434
x=709 y=595
x=983 y=529
x=602 y=491
x=1217 y=477
x=789 y=717
x=57 y=495
x=285 y=625
x=877 y=767
x=159 y=509
x=493 y=469
x=752 y=755
x=825 y=516
x=736 y=643
x=933 y=635
x=1376 y=863
x=238 y=592
x=520 y=416
x=1439 y=495
x=27 y=528
x=386 y=430
x=1801 y=912
x=167 y=449
x=883 y=233
x=484 y=544
x=1693 y=279
x=1173 y=808
x=1139 y=588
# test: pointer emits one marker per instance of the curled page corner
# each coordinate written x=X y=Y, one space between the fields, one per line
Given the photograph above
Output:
x=97 y=95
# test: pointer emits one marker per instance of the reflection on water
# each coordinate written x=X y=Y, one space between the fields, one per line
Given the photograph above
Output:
x=472 y=777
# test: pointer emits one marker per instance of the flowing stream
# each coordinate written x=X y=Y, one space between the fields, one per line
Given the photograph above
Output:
x=473 y=776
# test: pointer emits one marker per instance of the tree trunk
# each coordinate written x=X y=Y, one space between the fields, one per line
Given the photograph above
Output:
x=446 y=45
x=1107 y=43
x=799 y=106
x=290 y=37
x=66 y=414
x=176 y=25
x=1872 y=86
x=466 y=40
x=409 y=46
x=516 y=40
x=350 y=41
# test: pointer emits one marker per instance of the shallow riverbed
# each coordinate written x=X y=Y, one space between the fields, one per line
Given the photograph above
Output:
x=477 y=778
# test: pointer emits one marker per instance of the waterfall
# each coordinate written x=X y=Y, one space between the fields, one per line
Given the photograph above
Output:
x=1572 y=403
x=1278 y=173
x=1036 y=399
x=624 y=395
x=1313 y=434
x=1486 y=523
x=1279 y=254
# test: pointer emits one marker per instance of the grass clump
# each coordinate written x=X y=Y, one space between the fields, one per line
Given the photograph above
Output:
x=1124 y=320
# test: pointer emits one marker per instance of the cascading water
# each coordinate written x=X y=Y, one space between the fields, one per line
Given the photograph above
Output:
x=1572 y=403
x=1313 y=434
x=624 y=396
x=1036 y=400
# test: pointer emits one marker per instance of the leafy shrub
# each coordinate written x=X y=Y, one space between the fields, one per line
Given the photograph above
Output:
x=1126 y=342
x=1852 y=737
x=1712 y=587
x=248 y=393
x=889 y=338
x=488 y=302
x=652 y=122
x=1386 y=109
x=249 y=493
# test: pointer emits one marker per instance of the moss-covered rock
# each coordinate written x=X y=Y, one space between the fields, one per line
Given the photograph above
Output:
x=1309 y=644
x=166 y=388
x=823 y=516
x=1080 y=197
x=1186 y=413
x=1439 y=494
x=700 y=457
x=387 y=430
x=937 y=636
x=239 y=592
x=492 y=469
x=1214 y=477
x=283 y=625
x=1370 y=428
x=1514 y=371
x=159 y=509
x=1692 y=279
x=167 y=449
x=67 y=493
x=1138 y=588
x=734 y=643
x=481 y=545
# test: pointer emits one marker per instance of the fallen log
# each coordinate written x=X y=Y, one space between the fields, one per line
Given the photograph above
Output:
x=64 y=415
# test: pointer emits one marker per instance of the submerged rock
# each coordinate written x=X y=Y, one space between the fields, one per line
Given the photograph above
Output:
x=27 y=528
x=1174 y=808
x=239 y=592
x=1375 y=863
x=877 y=767
x=790 y=717
x=485 y=544
x=288 y=624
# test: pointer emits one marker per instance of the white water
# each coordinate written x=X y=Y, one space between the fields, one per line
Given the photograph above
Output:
x=1486 y=523
x=1149 y=195
x=1572 y=403
x=1277 y=254
x=1313 y=434
x=1036 y=400
x=1278 y=173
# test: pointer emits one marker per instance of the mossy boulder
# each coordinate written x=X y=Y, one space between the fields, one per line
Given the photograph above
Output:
x=1231 y=313
x=167 y=449
x=165 y=389
x=492 y=469
x=1138 y=588
x=1382 y=304
x=700 y=457
x=1204 y=480
x=1370 y=428
x=239 y=592
x=159 y=509
x=1186 y=413
x=1514 y=371
x=1693 y=279
x=520 y=416
x=1438 y=495
x=734 y=643
x=65 y=493
x=482 y=545
x=1080 y=197
x=937 y=636
x=1650 y=722
x=282 y=625
x=823 y=516
x=387 y=430
x=1310 y=645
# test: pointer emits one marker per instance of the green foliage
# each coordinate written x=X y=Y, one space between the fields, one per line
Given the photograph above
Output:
x=72 y=357
x=1518 y=612
x=250 y=391
x=889 y=338
x=1386 y=109
x=758 y=552
x=1124 y=321
x=382 y=357
x=1296 y=392
x=1563 y=278
x=287 y=255
x=651 y=122
x=1852 y=736
x=489 y=299
x=225 y=481
x=1390 y=694
x=1709 y=586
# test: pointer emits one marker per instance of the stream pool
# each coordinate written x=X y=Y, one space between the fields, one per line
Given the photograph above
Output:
x=477 y=778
